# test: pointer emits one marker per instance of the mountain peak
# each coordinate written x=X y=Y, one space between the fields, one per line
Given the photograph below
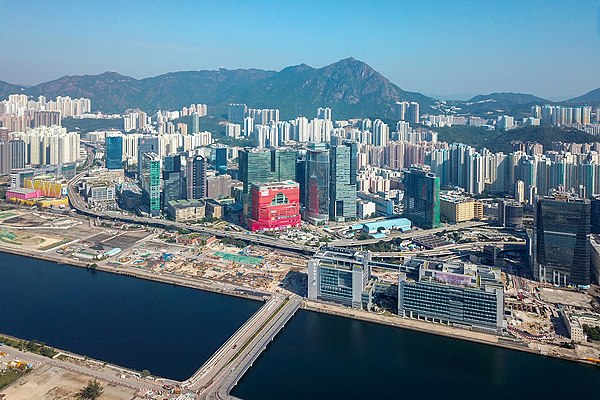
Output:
x=351 y=61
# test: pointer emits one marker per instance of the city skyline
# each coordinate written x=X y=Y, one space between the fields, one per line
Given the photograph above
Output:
x=496 y=47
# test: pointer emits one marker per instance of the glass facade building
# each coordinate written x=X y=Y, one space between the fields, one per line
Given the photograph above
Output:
x=595 y=214
x=173 y=187
x=151 y=182
x=196 y=178
x=561 y=236
x=146 y=144
x=342 y=202
x=422 y=197
x=316 y=204
x=266 y=165
x=114 y=152
x=258 y=166
x=221 y=160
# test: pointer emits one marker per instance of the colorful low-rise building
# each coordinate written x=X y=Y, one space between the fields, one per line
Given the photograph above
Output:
x=275 y=206
x=48 y=186
x=22 y=194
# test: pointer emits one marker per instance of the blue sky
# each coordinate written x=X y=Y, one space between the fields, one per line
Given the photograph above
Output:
x=548 y=48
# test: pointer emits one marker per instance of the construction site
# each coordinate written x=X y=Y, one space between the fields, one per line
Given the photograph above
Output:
x=115 y=245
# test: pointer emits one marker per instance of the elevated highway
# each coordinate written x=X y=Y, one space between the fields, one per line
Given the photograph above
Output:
x=77 y=203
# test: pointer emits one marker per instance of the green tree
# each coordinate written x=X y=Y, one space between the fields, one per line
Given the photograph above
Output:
x=92 y=391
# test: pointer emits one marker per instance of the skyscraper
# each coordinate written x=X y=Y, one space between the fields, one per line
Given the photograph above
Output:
x=5 y=155
x=381 y=133
x=114 y=152
x=401 y=108
x=194 y=126
x=146 y=144
x=413 y=112
x=220 y=160
x=316 y=204
x=172 y=179
x=196 y=178
x=595 y=214
x=17 y=154
x=150 y=179
x=266 y=165
x=422 y=197
x=520 y=191
x=258 y=166
x=342 y=203
x=324 y=113
x=236 y=113
x=561 y=234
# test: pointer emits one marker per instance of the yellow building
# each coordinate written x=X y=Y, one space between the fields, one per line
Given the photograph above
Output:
x=460 y=209
x=47 y=186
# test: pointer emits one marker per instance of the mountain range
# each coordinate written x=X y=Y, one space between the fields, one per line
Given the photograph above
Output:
x=350 y=87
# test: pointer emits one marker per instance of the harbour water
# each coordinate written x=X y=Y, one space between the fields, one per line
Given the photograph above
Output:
x=319 y=356
x=134 y=323
x=172 y=330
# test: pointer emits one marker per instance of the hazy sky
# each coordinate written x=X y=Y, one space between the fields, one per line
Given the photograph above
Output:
x=548 y=48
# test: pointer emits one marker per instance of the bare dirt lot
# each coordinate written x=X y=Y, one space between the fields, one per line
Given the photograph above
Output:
x=52 y=383
x=567 y=297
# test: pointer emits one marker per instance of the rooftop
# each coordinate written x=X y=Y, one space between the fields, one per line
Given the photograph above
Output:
x=456 y=273
x=276 y=185
x=187 y=203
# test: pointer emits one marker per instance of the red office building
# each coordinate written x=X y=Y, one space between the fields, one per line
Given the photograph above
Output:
x=275 y=206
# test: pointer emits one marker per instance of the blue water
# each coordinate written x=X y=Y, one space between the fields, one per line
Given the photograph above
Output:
x=138 y=324
x=318 y=356
x=172 y=330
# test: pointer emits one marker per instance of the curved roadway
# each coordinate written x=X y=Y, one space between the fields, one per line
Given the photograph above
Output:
x=77 y=203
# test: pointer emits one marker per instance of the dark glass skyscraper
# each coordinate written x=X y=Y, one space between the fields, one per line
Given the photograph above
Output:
x=316 y=204
x=173 y=188
x=266 y=165
x=301 y=176
x=114 y=152
x=561 y=234
x=422 y=197
x=595 y=215
x=196 y=178
x=342 y=202
x=258 y=166
x=221 y=160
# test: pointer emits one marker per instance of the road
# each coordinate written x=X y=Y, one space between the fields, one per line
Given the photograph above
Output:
x=226 y=366
x=231 y=375
x=77 y=203
x=206 y=374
